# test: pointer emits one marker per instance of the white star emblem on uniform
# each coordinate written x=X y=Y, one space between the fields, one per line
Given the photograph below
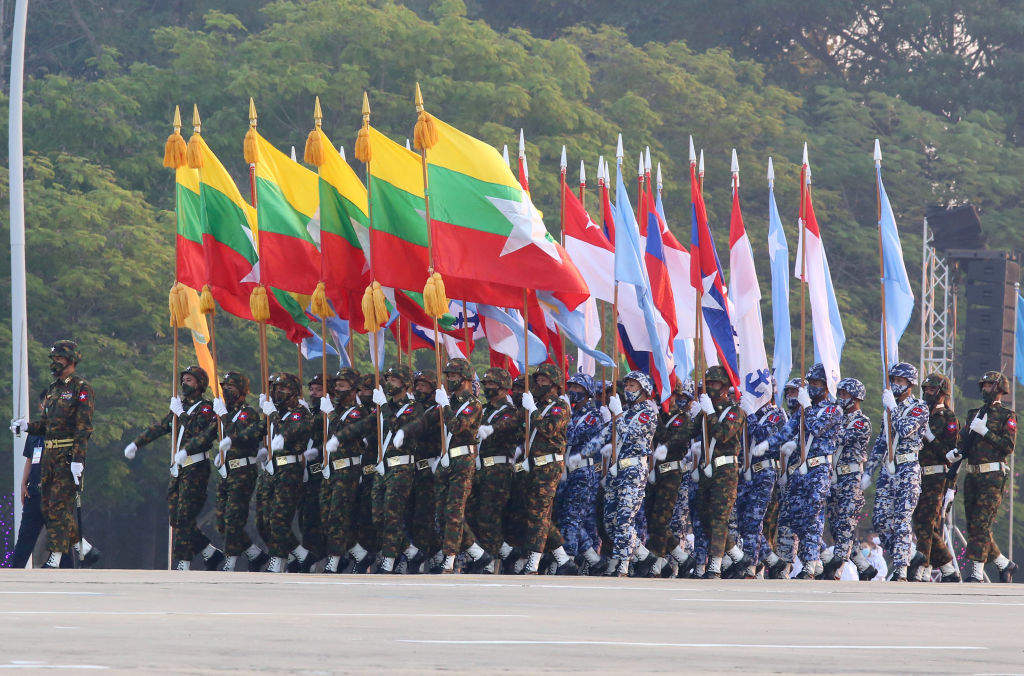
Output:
x=527 y=226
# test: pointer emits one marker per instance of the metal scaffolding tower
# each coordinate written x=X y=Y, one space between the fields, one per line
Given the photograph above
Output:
x=938 y=310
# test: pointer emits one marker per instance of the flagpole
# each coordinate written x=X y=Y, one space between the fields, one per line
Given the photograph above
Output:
x=601 y=188
x=891 y=452
x=805 y=194
x=698 y=352
x=1013 y=406
x=614 y=457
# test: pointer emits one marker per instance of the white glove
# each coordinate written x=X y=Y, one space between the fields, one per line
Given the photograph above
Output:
x=615 y=405
x=130 y=450
x=399 y=438
x=312 y=454
x=528 y=403
x=694 y=408
x=18 y=425
x=803 y=398
x=980 y=425
x=661 y=452
x=180 y=457
x=651 y=477
x=865 y=481
x=613 y=470
x=606 y=451
x=748 y=403
x=217 y=462
x=332 y=444
x=927 y=433
x=695 y=449
x=948 y=498
x=277 y=443
x=954 y=455
x=484 y=432
x=379 y=397
x=176 y=407
x=759 y=449
x=441 y=397
x=888 y=400
x=788 y=448
x=705 y=404
x=261 y=455
x=325 y=405
x=573 y=462
x=304 y=404
x=225 y=444
x=565 y=398
x=518 y=454
x=218 y=407
x=76 y=472
x=433 y=464
x=267 y=406
x=445 y=460
x=606 y=415
x=380 y=468
x=223 y=471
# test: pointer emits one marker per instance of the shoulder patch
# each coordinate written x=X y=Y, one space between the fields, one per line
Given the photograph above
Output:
x=205 y=409
x=774 y=418
x=83 y=395
x=918 y=410
x=469 y=410
x=1011 y=423
x=243 y=415
x=590 y=420
x=556 y=410
x=676 y=423
x=507 y=416
x=354 y=414
x=952 y=426
x=831 y=409
x=408 y=411
x=644 y=417
x=859 y=424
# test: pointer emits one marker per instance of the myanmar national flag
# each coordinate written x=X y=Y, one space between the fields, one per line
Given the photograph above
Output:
x=189 y=245
x=398 y=236
x=287 y=202
x=485 y=228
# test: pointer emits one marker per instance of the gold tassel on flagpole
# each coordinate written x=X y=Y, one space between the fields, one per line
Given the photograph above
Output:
x=259 y=304
x=319 y=303
x=424 y=135
x=250 y=149
x=314 y=153
x=206 y=304
x=175 y=149
x=194 y=151
x=363 y=152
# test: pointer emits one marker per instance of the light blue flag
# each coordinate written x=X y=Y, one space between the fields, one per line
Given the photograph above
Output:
x=337 y=328
x=683 y=347
x=573 y=325
x=834 y=318
x=513 y=325
x=313 y=348
x=899 y=298
x=778 y=255
x=1018 y=350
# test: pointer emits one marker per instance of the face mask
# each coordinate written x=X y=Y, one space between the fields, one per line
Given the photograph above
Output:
x=715 y=392
x=846 y=402
x=342 y=396
x=56 y=368
x=453 y=384
x=814 y=391
x=793 y=403
x=931 y=399
x=898 y=390
x=230 y=396
x=539 y=392
x=391 y=390
x=491 y=392
x=632 y=397
x=188 y=390
x=864 y=552
x=423 y=397
x=990 y=396
x=576 y=397
x=682 y=403
x=280 y=397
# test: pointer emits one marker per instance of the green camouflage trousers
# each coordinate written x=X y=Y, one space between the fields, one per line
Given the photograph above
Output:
x=397 y=484
x=982 y=495
x=58 y=490
x=661 y=503
x=422 y=511
x=927 y=521
x=338 y=496
x=233 y=496
x=284 y=489
x=310 y=523
x=452 y=485
x=715 y=498
x=365 y=529
x=485 y=509
x=540 y=498
x=186 y=495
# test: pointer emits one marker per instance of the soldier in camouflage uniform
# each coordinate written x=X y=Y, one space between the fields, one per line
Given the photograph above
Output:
x=846 y=498
x=428 y=450
x=757 y=479
x=717 y=468
x=899 y=482
x=242 y=431
x=514 y=557
x=549 y=420
x=940 y=437
x=310 y=523
x=770 y=526
x=683 y=561
x=190 y=471
x=576 y=496
x=291 y=428
x=370 y=498
x=342 y=468
x=66 y=422
x=986 y=443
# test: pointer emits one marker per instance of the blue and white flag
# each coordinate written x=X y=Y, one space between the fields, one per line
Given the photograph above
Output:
x=899 y=298
x=1018 y=337
x=778 y=255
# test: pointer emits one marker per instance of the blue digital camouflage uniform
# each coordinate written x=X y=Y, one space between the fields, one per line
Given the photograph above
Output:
x=575 y=500
x=624 y=493
x=755 y=492
x=896 y=495
x=845 y=498
x=802 y=512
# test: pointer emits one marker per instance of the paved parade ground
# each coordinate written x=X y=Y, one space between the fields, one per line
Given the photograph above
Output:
x=197 y=622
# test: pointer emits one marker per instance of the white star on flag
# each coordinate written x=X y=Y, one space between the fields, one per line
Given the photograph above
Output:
x=775 y=244
x=707 y=300
x=527 y=226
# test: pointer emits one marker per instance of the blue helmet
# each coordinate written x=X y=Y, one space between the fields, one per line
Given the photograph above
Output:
x=854 y=387
x=644 y=380
x=584 y=381
x=684 y=387
x=793 y=384
x=817 y=372
x=904 y=370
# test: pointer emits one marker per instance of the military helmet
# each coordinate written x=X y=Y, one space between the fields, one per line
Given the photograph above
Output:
x=793 y=384
x=348 y=374
x=318 y=379
x=817 y=372
x=199 y=374
x=642 y=379
x=683 y=387
x=238 y=380
x=717 y=373
x=1001 y=382
x=367 y=381
x=400 y=371
x=460 y=366
x=854 y=387
x=496 y=374
x=428 y=376
x=289 y=380
x=904 y=370
x=552 y=372
x=584 y=381
x=939 y=382
x=519 y=382
x=68 y=349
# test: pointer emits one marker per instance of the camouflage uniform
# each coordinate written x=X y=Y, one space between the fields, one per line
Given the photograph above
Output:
x=399 y=414
x=369 y=499
x=846 y=498
x=423 y=525
x=66 y=422
x=575 y=499
x=548 y=427
x=310 y=522
x=927 y=520
x=664 y=497
x=244 y=426
x=986 y=472
x=452 y=484
x=755 y=490
x=186 y=491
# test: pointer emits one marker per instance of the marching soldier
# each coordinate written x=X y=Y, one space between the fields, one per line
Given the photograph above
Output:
x=986 y=444
x=757 y=480
x=242 y=431
x=428 y=450
x=310 y=523
x=370 y=498
x=66 y=423
x=899 y=483
x=940 y=437
x=773 y=566
x=190 y=471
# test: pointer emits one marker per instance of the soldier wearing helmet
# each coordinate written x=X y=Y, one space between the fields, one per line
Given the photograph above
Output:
x=243 y=430
x=807 y=475
x=986 y=443
x=190 y=471
x=310 y=521
x=428 y=448
x=575 y=497
x=368 y=526
x=66 y=422
x=899 y=482
x=549 y=422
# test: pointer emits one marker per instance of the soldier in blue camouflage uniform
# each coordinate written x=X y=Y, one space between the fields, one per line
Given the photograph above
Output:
x=899 y=482
x=665 y=495
x=772 y=564
x=627 y=467
x=757 y=480
x=190 y=471
x=575 y=501
x=846 y=498
x=802 y=513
